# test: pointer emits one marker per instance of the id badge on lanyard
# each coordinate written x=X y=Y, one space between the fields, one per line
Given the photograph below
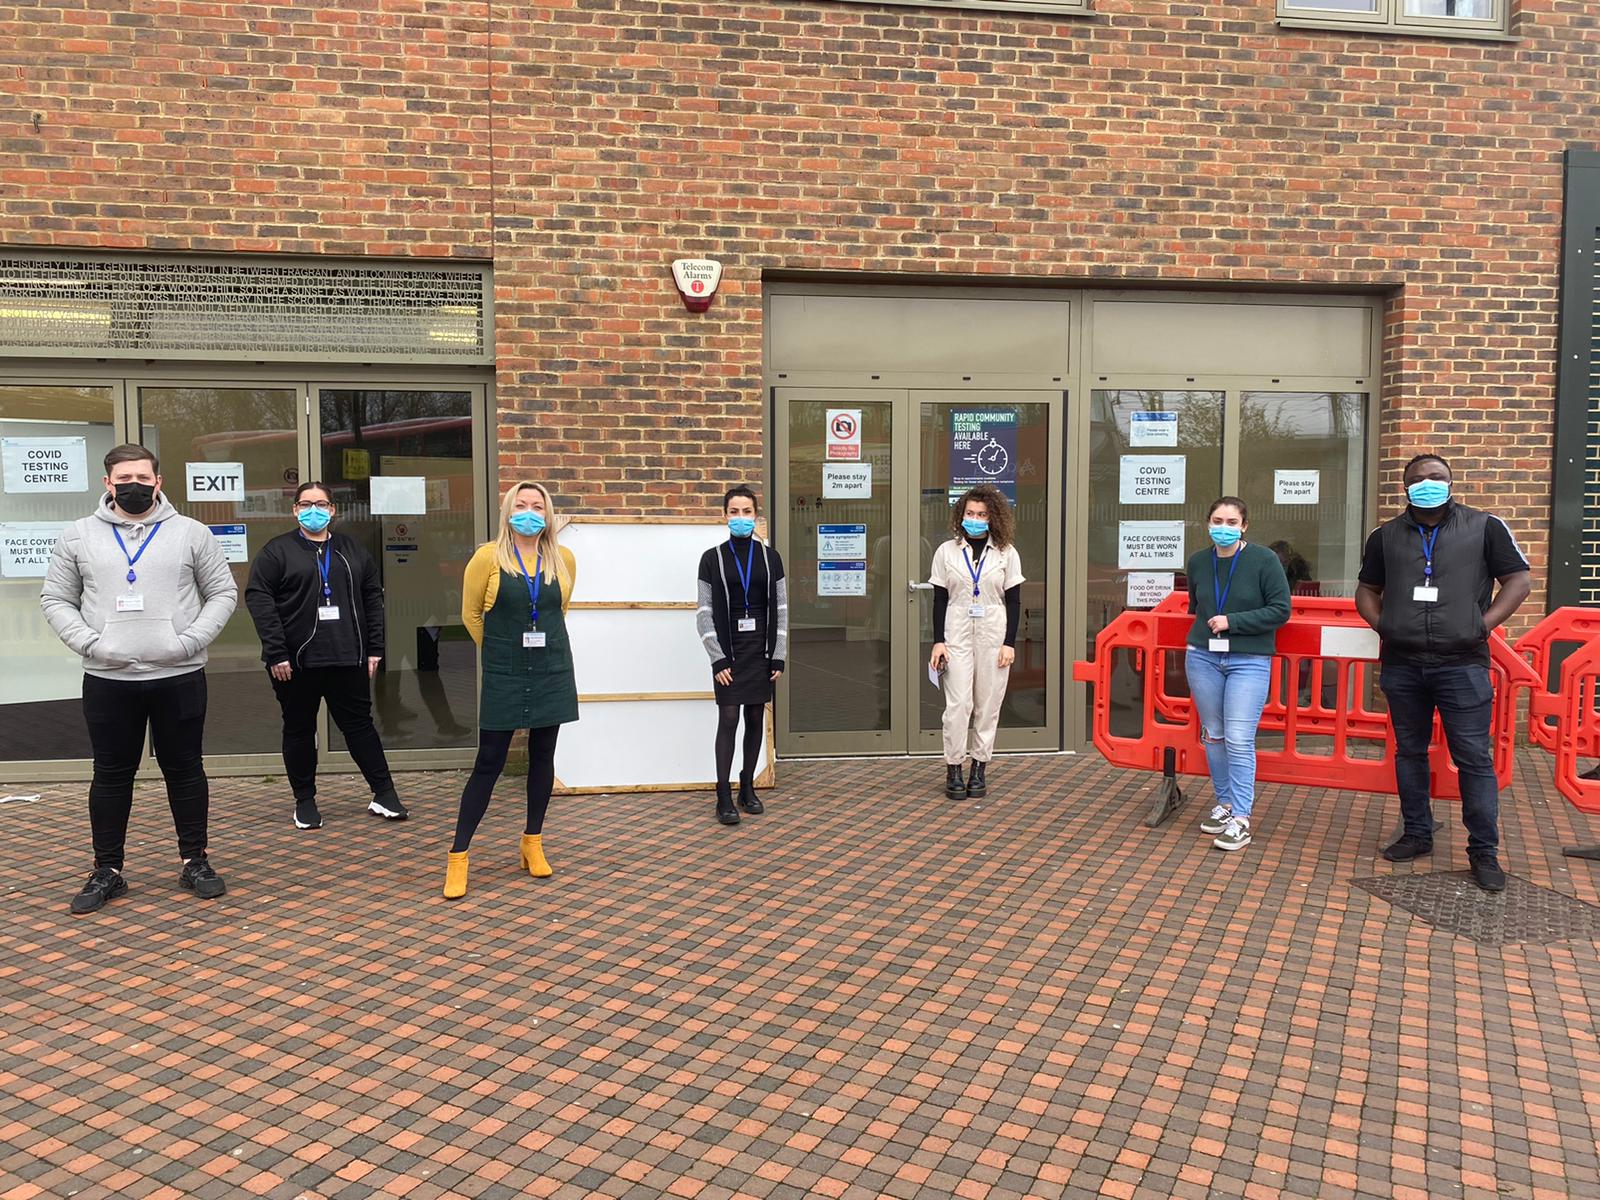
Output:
x=533 y=638
x=1427 y=592
x=132 y=601
x=327 y=610
x=976 y=609
x=746 y=623
x=1219 y=592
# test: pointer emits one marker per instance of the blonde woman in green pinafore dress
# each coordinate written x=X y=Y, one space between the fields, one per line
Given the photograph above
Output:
x=514 y=602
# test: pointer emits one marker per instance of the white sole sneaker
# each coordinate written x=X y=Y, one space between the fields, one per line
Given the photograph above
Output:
x=1214 y=825
x=388 y=814
x=1238 y=843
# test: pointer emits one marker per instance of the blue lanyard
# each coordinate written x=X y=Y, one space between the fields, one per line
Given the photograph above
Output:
x=1219 y=589
x=1428 y=540
x=143 y=546
x=975 y=572
x=323 y=563
x=745 y=572
x=534 y=582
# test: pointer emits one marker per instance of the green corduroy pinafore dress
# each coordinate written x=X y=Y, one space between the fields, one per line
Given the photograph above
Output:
x=523 y=687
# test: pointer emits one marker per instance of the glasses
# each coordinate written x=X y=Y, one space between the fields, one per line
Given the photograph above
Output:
x=324 y=505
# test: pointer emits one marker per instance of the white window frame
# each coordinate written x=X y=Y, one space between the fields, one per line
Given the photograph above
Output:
x=1068 y=8
x=1391 y=18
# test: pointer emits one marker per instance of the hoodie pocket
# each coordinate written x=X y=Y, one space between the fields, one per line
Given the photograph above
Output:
x=132 y=643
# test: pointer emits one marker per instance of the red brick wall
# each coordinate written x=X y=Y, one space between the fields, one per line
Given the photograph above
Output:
x=1177 y=142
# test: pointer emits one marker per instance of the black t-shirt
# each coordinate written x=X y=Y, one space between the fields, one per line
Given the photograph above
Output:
x=1500 y=554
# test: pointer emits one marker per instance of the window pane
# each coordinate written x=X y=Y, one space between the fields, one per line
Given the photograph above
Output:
x=1138 y=441
x=1465 y=10
x=1306 y=485
x=41 y=688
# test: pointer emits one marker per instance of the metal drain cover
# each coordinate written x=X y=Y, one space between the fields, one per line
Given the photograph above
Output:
x=1524 y=912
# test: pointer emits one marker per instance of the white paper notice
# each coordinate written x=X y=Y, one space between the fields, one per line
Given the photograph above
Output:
x=1146 y=589
x=215 y=481
x=25 y=547
x=935 y=676
x=399 y=495
x=852 y=482
x=841 y=579
x=233 y=540
x=844 y=434
x=57 y=464
x=1154 y=478
x=1296 y=487
x=1152 y=429
x=1340 y=641
x=1149 y=545
x=835 y=542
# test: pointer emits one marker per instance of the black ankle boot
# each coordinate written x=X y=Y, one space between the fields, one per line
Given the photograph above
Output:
x=977 y=787
x=726 y=812
x=954 y=786
x=748 y=800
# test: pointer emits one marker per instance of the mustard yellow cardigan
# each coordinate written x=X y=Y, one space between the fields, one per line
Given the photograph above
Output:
x=482 y=584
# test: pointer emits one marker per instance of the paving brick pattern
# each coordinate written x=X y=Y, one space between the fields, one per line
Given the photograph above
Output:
x=867 y=991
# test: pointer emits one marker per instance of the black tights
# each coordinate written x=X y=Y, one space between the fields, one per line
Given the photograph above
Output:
x=755 y=725
x=493 y=747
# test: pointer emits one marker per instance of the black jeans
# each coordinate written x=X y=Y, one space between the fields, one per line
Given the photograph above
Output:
x=350 y=705
x=117 y=712
x=1464 y=697
x=494 y=747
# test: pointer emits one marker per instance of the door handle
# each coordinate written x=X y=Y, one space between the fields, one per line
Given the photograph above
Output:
x=913 y=587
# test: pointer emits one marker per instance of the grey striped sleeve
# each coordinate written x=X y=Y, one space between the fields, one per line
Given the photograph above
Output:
x=704 y=625
x=781 y=650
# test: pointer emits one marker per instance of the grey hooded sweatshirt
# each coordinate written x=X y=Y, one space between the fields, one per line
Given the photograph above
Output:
x=184 y=577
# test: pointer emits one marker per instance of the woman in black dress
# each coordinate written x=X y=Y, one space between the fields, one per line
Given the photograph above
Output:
x=743 y=621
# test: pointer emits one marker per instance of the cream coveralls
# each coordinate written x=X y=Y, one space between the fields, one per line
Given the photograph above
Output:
x=974 y=682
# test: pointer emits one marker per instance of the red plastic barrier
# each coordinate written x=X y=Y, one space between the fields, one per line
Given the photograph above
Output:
x=1566 y=721
x=1320 y=731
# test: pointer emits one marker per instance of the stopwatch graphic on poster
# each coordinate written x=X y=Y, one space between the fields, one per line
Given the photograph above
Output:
x=993 y=459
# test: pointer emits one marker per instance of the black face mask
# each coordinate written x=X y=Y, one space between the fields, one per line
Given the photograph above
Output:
x=135 y=498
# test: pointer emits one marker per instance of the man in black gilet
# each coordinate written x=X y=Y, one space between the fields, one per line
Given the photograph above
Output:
x=1427 y=587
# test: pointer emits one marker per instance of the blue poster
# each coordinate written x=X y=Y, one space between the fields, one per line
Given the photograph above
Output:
x=983 y=449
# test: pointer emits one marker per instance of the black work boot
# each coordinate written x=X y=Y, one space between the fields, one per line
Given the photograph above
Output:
x=748 y=800
x=977 y=788
x=954 y=786
x=726 y=812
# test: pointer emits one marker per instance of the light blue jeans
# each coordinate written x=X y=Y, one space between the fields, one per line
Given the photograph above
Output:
x=1229 y=691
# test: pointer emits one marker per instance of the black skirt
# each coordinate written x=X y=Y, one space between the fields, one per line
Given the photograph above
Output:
x=752 y=670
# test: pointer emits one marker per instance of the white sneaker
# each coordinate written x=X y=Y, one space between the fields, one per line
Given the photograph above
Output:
x=1234 y=836
x=1217 y=821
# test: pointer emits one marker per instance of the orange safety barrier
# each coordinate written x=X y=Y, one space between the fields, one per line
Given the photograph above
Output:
x=1566 y=721
x=1320 y=729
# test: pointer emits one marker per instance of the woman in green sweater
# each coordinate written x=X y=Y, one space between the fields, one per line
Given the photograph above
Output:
x=1239 y=596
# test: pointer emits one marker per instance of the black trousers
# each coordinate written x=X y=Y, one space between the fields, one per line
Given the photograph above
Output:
x=494 y=747
x=117 y=712
x=349 y=704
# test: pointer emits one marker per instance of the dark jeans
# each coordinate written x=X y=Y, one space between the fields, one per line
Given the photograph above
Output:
x=350 y=705
x=494 y=747
x=117 y=712
x=1464 y=697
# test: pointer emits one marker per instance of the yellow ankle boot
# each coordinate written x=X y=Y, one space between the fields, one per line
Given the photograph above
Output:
x=455 y=875
x=533 y=856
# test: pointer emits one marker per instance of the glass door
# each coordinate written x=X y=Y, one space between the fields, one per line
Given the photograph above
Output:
x=403 y=465
x=1007 y=439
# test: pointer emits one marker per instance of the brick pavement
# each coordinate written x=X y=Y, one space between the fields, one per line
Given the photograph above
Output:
x=867 y=991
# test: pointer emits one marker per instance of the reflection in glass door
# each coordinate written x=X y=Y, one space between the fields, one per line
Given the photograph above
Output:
x=207 y=432
x=1004 y=439
x=399 y=463
x=70 y=428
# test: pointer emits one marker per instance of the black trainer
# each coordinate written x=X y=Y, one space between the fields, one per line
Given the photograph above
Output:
x=306 y=815
x=977 y=785
x=200 y=879
x=726 y=812
x=1407 y=847
x=387 y=805
x=748 y=800
x=1486 y=872
x=954 y=785
x=103 y=884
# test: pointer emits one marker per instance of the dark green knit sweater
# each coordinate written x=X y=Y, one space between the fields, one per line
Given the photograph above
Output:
x=1257 y=604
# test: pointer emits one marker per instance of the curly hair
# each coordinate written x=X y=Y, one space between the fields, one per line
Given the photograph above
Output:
x=992 y=498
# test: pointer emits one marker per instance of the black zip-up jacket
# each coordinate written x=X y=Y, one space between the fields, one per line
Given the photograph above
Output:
x=285 y=591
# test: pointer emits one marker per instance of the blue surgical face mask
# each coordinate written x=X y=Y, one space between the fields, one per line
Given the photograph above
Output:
x=741 y=526
x=1224 y=535
x=313 y=520
x=527 y=522
x=1428 y=493
x=974 y=527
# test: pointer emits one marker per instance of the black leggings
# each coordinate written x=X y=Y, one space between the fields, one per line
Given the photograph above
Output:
x=493 y=747
x=755 y=724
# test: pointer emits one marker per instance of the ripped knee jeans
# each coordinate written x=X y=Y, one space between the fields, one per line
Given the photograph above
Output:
x=1229 y=691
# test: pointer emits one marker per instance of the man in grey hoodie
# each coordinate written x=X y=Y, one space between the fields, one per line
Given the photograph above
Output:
x=140 y=592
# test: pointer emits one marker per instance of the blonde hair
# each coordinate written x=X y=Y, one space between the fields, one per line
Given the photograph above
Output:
x=505 y=554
